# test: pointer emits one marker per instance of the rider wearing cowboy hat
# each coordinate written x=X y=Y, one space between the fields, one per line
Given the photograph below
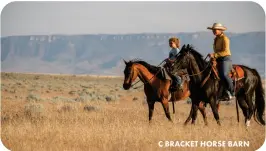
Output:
x=222 y=54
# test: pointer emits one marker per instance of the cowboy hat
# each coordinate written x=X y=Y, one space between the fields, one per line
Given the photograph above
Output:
x=217 y=26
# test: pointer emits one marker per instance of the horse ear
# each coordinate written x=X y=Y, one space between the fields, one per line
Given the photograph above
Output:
x=183 y=47
x=125 y=61
x=188 y=46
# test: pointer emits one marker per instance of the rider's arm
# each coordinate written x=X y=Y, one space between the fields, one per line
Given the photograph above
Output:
x=225 y=48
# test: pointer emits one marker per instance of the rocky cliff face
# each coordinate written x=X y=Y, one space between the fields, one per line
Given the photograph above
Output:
x=102 y=54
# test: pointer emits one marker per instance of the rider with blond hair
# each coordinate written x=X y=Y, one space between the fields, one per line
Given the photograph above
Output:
x=222 y=54
x=177 y=82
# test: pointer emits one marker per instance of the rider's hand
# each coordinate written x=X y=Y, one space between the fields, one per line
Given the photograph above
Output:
x=167 y=60
x=211 y=55
x=170 y=60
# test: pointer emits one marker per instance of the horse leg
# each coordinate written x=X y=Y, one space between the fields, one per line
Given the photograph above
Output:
x=203 y=112
x=218 y=106
x=173 y=104
x=244 y=106
x=250 y=108
x=166 y=108
x=215 y=110
x=172 y=99
x=194 y=113
x=248 y=104
x=189 y=116
x=151 y=108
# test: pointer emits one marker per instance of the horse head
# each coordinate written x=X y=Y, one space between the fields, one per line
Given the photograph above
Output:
x=130 y=74
x=184 y=58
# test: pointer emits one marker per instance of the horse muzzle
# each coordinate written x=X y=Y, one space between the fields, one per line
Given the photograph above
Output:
x=126 y=86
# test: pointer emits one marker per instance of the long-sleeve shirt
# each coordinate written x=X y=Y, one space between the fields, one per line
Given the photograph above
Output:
x=221 y=46
x=173 y=52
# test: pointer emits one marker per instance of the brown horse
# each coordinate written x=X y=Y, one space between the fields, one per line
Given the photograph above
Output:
x=156 y=87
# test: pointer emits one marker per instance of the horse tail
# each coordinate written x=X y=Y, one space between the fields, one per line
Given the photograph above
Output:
x=259 y=99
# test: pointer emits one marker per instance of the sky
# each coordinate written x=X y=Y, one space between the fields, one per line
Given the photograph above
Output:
x=42 y=18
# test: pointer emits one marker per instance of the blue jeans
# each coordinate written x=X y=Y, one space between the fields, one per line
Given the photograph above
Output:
x=177 y=81
x=224 y=68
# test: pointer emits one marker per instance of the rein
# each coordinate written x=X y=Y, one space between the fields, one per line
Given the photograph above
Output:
x=200 y=71
x=148 y=80
x=191 y=75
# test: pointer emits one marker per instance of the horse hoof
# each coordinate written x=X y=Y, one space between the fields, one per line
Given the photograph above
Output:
x=248 y=123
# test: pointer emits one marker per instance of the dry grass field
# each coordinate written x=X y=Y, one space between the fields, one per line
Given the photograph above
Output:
x=68 y=112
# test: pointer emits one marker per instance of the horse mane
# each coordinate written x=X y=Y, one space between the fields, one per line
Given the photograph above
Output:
x=151 y=68
x=198 y=57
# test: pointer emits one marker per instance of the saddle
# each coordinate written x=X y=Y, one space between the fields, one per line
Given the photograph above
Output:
x=168 y=75
x=182 y=73
x=236 y=74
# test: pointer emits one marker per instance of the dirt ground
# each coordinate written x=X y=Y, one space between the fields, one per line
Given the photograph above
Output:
x=71 y=112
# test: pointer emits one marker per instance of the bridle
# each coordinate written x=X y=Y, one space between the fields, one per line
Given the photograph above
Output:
x=189 y=62
x=148 y=81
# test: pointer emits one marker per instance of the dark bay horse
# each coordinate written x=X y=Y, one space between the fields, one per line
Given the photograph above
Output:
x=198 y=69
x=156 y=87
